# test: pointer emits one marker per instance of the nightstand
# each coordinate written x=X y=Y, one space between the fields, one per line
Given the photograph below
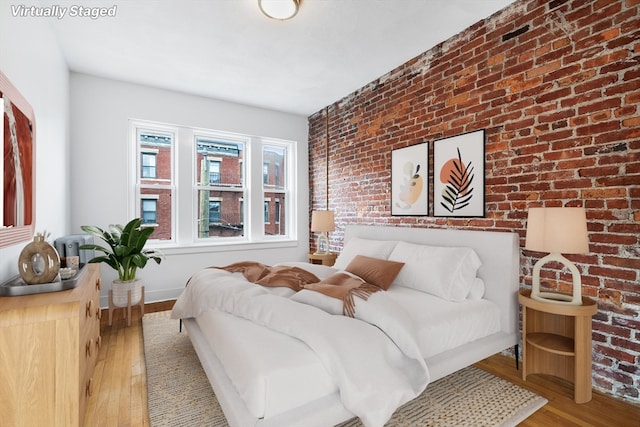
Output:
x=324 y=259
x=556 y=340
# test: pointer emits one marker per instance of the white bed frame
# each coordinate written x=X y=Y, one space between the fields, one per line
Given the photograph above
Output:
x=500 y=255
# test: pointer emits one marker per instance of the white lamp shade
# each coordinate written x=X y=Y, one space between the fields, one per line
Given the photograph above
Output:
x=557 y=230
x=279 y=9
x=322 y=221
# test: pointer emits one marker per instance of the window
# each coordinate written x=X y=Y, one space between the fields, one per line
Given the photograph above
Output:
x=230 y=174
x=214 y=171
x=149 y=213
x=155 y=180
x=223 y=181
x=149 y=165
x=214 y=212
x=266 y=212
x=274 y=158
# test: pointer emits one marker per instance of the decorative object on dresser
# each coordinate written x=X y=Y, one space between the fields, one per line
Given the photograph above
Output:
x=48 y=351
x=556 y=341
x=38 y=262
x=458 y=175
x=125 y=254
x=557 y=231
x=69 y=247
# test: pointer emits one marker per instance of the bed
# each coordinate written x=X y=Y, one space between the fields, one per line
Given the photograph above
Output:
x=279 y=357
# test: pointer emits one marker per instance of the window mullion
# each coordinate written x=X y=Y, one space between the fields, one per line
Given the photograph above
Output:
x=255 y=191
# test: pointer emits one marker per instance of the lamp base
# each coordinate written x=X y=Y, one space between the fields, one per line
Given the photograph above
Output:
x=555 y=297
x=323 y=244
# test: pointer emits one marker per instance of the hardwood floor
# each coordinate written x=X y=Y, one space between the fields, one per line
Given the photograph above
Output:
x=120 y=391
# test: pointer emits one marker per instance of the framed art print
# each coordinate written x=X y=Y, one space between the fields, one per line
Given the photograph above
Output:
x=458 y=178
x=17 y=166
x=410 y=180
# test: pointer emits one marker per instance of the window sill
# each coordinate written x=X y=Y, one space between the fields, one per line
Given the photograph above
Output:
x=200 y=248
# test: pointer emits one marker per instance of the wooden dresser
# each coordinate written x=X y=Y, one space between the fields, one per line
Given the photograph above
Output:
x=48 y=351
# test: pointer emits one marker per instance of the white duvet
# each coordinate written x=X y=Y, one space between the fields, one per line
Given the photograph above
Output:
x=374 y=359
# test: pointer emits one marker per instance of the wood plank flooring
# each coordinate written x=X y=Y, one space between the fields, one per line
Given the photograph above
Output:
x=120 y=391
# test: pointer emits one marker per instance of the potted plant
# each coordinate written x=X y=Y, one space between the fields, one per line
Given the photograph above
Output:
x=125 y=254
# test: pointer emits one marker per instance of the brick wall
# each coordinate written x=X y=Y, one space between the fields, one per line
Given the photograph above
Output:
x=556 y=86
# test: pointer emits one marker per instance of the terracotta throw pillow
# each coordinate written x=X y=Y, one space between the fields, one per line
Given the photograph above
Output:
x=378 y=272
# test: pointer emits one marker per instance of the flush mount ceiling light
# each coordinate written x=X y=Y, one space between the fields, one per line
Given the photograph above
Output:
x=279 y=9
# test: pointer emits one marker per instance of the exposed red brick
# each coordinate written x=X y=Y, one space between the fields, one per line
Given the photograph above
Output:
x=559 y=105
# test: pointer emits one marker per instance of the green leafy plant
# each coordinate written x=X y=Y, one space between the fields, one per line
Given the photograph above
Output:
x=125 y=252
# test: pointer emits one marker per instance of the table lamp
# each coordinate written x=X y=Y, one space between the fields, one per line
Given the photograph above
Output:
x=322 y=222
x=557 y=231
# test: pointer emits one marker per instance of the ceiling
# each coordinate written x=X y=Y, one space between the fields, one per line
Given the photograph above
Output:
x=226 y=49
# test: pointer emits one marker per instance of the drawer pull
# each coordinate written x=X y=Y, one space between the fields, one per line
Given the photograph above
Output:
x=99 y=342
x=89 y=348
x=98 y=284
x=88 y=391
x=99 y=313
x=90 y=308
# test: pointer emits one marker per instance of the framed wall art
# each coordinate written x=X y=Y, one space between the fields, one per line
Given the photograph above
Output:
x=410 y=180
x=458 y=178
x=17 y=166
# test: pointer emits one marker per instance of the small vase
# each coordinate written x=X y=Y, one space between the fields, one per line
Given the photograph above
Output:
x=120 y=292
x=38 y=262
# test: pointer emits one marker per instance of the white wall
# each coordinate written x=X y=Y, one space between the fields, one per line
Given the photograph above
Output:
x=100 y=110
x=31 y=59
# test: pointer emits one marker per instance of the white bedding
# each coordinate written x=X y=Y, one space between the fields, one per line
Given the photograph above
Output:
x=442 y=325
x=374 y=362
x=498 y=275
x=286 y=375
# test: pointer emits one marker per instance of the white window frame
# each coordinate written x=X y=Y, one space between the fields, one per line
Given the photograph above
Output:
x=184 y=230
x=289 y=183
x=135 y=166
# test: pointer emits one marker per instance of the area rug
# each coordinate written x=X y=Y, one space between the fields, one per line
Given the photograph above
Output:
x=179 y=393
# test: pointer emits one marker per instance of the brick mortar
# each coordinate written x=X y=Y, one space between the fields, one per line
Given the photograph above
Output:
x=559 y=104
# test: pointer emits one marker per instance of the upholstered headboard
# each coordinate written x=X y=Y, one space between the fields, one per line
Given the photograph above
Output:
x=499 y=252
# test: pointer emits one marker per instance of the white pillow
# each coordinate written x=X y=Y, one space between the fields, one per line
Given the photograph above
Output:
x=446 y=272
x=367 y=247
x=477 y=289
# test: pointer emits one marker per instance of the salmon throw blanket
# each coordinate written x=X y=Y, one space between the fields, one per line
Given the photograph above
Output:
x=291 y=277
x=340 y=285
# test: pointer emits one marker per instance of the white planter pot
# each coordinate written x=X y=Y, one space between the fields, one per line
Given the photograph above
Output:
x=120 y=292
